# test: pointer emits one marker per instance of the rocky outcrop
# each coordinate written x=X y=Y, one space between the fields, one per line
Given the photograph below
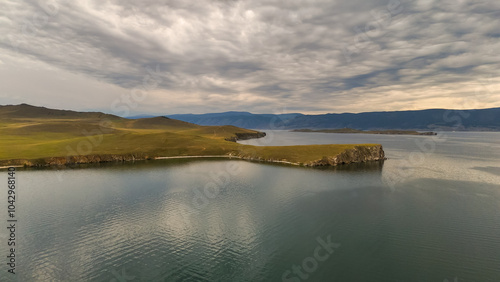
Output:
x=246 y=136
x=358 y=154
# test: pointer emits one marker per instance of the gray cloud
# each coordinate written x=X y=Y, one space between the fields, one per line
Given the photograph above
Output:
x=311 y=56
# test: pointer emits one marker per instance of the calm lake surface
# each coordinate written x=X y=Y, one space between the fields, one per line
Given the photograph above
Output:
x=431 y=212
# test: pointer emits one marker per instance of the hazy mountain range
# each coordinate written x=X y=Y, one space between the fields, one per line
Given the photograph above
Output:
x=433 y=119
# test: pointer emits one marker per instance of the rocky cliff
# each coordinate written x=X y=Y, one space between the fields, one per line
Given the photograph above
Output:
x=72 y=160
x=246 y=136
x=358 y=154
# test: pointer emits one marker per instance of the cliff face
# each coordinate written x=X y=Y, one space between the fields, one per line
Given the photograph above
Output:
x=71 y=160
x=358 y=154
x=246 y=136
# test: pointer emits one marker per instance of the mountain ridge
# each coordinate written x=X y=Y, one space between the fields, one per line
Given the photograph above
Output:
x=429 y=119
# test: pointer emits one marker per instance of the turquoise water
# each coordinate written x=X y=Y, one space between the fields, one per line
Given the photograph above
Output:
x=431 y=212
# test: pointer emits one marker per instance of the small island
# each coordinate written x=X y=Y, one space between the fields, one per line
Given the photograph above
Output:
x=37 y=136
x=350 y=130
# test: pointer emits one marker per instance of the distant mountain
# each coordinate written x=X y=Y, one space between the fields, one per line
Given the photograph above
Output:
x=434 y=119
x=239 y=119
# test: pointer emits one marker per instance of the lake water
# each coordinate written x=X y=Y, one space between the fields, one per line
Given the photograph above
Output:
x=431 y=212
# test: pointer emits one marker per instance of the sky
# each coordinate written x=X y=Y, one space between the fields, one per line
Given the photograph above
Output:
x=262 y=56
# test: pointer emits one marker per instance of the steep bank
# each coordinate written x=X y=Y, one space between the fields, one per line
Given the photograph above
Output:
x=246 y=136
x=358 y=154
x=315 y=155
x=72 y=160
x=304 y=156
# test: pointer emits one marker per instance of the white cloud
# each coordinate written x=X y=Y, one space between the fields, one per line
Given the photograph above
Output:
x=249 y=55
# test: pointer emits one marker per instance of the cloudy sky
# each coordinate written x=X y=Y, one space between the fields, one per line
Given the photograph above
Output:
x=262 y=56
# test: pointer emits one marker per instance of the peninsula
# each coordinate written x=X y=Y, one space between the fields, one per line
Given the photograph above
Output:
x=350 y=130
x=38 y=136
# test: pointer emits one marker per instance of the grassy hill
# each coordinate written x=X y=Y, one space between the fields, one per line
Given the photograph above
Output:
x=35 y=136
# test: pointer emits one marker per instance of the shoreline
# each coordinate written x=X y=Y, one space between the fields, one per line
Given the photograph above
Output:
x=171 y=158
x=228 y=157
x=355 y=154
x=194 y=157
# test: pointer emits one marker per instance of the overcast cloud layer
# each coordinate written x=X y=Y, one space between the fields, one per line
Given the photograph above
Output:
x=266 y=56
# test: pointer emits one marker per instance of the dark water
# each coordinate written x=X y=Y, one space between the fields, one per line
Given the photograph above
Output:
x=431 y=212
